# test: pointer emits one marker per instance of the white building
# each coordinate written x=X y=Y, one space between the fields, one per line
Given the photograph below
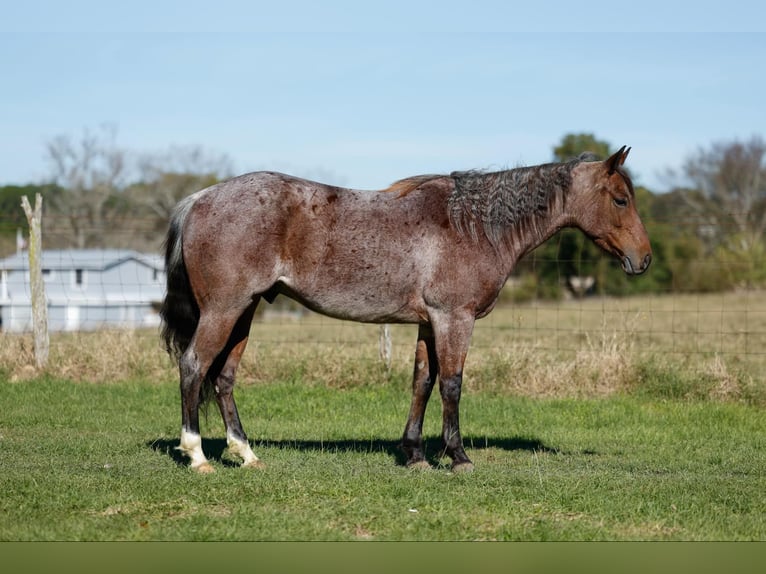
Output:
x=86 y=289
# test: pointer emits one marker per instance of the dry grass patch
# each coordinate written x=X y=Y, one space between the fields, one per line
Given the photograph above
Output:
x=102 y=356
x=702 y=346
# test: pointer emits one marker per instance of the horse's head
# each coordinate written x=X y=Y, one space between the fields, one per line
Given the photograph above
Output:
x=604 y=207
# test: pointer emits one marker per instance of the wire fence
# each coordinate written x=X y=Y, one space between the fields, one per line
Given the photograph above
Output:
x=729 y=323
x=104 y=290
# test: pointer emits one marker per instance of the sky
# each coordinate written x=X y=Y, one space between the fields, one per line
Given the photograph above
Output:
x=362 y=94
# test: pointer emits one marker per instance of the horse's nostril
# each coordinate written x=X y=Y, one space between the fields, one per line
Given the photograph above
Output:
x=647 y=260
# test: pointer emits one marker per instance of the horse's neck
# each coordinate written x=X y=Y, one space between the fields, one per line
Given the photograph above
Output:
x=535 y=231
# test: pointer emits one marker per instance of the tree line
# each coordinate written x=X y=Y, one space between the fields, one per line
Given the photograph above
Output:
x=97 y=195
x=707 y=233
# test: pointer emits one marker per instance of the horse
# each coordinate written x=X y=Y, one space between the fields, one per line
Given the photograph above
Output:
x=430 y=250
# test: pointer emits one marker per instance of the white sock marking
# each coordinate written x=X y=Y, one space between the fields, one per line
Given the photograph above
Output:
x=191 y=446
x=240 y=448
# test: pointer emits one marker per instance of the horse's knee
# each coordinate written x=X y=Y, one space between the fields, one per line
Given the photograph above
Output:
x=450 y=388
x=453 y=443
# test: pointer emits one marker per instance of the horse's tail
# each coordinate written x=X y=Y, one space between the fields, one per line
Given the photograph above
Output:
x=179 y=310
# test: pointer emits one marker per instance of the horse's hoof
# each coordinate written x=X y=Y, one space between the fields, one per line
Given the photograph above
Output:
x=419 y=465
x=204 y=468
x=257 y=464
x=462 y=467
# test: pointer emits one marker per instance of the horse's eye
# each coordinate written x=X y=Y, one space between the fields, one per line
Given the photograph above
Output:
x=621 y=201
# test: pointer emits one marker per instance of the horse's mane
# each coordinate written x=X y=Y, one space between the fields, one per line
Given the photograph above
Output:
x=496 y=203
x=406 y=185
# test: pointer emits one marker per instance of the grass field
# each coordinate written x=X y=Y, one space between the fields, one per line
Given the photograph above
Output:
x=583 y=424
x=97 y=462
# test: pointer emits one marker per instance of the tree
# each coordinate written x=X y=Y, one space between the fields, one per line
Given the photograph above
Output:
x=98 y=199
x=12 y=218
x=90 y=172
x=573 y=145
x=168 y=177
x=729 y=193
x=731 y=176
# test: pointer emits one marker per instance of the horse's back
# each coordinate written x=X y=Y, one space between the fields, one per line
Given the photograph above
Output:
x=343 y=252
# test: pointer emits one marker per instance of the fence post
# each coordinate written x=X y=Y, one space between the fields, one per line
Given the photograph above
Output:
x=384 y=346
x=39 y=302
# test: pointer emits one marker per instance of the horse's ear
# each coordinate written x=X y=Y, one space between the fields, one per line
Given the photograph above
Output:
x=617 y=159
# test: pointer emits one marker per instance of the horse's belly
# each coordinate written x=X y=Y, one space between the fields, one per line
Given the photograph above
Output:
x=366 y=305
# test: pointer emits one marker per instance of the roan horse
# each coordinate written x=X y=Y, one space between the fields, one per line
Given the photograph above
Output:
x=433 y=250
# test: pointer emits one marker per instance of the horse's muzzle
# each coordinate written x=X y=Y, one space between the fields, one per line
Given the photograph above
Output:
x=631 y=268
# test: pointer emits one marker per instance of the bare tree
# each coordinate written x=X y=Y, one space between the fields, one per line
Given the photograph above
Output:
x=90 y=172
x=730 y=180
x=99 y=205
x=166 y=178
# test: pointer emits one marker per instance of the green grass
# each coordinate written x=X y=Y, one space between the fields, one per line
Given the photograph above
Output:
x=86 y=461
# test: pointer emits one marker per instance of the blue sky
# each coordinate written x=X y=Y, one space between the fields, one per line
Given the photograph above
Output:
x=362 y=94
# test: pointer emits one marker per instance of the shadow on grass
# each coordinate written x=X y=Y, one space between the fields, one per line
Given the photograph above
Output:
x=215 y=448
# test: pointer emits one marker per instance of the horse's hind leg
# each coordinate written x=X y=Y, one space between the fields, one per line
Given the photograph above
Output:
x=191 y=383
x=224 y=388
x=210 y=339
x=423 y=379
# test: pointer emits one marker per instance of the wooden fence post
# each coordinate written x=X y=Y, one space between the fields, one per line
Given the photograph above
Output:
x=39 y=302
x=384 y=346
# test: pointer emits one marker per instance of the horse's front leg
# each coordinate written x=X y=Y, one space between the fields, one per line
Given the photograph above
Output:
x=453 y=335
x=423 y=379
x=450 y=388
